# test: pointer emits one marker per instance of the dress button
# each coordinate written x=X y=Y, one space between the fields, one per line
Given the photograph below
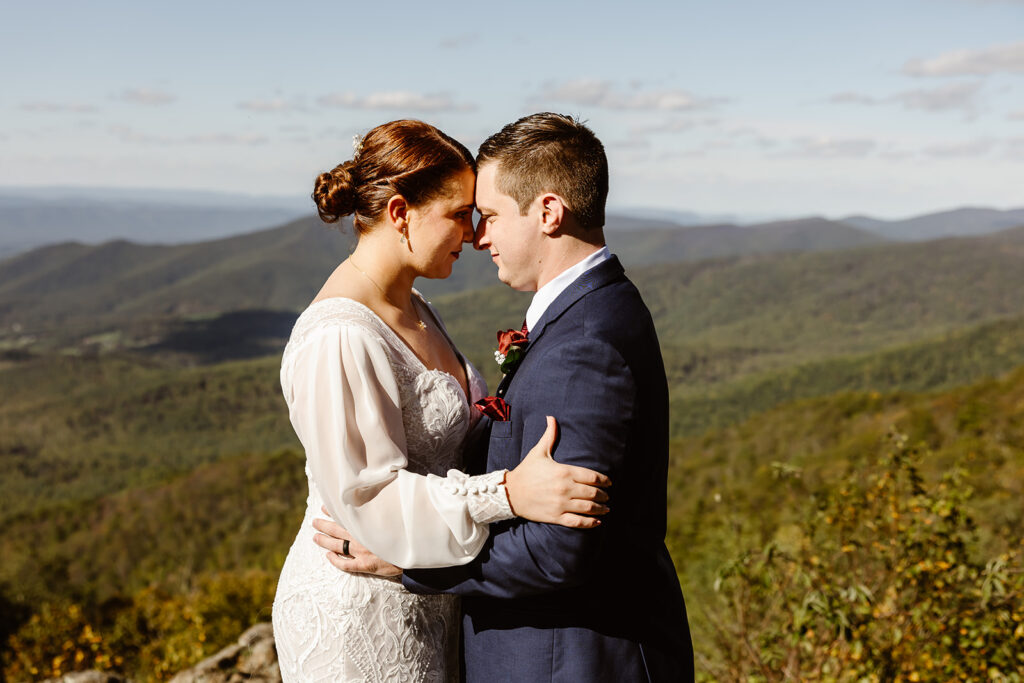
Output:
x=493 y=488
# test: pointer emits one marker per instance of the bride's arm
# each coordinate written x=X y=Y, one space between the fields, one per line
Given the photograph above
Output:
x=539 y=488
x=345 y=407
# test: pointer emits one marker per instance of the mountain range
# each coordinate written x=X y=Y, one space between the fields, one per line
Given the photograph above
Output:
x=283 y=267
x=966 y=221
x=740 y=331
x=35 y=217
x=29 y=222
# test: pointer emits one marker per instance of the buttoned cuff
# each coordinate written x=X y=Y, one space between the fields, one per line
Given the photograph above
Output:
x=486 y=498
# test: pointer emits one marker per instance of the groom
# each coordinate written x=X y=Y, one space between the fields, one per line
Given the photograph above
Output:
x=545 y=602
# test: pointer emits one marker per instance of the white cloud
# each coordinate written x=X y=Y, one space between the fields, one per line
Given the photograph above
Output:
x=335 y=132
x=44 y=106
x=961 y=150
x=753 y=135
x=998 y=59
x=675 y=125
x=894 y=154
x=229 y=139
x=146 y=96
x=953 y=97
x=630 y=143
x=276 y=105
x=600 y=93
x=956 y=96
x=709 y=148
x=682 y=154
x=1014 y=149
x=130 y=135
x=398 y=99
x=852 y=98
x=825 y=147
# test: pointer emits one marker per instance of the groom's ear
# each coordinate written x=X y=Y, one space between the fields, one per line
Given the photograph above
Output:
x=552 y=213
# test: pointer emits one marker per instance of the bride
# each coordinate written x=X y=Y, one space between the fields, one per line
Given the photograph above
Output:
x=381 y=400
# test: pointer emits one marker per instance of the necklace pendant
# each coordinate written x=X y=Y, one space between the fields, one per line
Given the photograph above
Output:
x=422 y=325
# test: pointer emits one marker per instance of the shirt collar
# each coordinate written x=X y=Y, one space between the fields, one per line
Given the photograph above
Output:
x=549 y=292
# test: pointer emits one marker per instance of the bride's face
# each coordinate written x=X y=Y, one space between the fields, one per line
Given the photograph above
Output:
x=439 y=228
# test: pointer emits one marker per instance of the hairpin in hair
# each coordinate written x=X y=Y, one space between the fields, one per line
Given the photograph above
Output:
x=357 y=144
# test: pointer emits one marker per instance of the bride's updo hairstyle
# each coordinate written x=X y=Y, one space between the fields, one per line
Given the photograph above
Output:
x=406 y=157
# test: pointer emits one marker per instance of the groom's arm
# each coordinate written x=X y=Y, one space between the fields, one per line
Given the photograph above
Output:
x=590 y=390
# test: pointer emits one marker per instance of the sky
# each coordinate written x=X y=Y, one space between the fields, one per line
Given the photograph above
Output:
x=883 y=107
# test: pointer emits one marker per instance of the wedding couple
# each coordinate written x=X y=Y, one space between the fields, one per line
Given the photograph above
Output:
x=546 y=581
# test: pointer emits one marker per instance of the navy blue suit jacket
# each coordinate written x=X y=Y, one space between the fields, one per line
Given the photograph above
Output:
x=548 y=603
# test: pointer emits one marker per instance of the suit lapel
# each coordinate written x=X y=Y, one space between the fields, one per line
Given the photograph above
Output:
x=595 y=278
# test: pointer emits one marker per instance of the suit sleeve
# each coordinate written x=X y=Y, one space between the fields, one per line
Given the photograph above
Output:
x=589 y=389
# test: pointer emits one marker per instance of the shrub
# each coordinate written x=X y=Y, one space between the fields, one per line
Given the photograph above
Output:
x=880 y=580
x=155 y=634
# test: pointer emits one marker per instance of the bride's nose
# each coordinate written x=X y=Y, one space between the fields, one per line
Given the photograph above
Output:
x=480 y=241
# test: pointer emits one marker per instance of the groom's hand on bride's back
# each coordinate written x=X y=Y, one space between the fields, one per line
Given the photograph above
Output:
x=346 y=553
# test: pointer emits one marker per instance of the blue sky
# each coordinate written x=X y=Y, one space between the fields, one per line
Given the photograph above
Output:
x=783 y=108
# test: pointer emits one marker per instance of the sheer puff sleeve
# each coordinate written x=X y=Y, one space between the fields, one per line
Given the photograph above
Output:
x=346 y=409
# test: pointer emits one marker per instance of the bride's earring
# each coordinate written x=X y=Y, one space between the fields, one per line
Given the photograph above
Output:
x=404 y=232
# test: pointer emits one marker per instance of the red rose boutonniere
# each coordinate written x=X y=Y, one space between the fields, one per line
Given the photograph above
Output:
x=511 y=344
x=493 y=407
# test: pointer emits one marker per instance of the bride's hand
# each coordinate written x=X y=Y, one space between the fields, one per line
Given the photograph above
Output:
x=346 y=553
x=542 y=490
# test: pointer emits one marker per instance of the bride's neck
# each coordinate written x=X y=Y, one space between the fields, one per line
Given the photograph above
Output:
x=381 y=261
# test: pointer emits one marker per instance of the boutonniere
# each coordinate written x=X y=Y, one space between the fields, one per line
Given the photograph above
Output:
x=493 y=407
x=511 y=345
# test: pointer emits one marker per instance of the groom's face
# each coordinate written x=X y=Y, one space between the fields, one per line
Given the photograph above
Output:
x=514 y=240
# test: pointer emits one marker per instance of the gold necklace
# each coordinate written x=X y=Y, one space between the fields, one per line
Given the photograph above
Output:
x=419 y=322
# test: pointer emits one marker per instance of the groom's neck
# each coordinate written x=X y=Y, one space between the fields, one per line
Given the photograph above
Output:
x=565 y=252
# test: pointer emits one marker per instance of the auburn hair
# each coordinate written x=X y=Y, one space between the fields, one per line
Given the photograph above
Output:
x=406 y=157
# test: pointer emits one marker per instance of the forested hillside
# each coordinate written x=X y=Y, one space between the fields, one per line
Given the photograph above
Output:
x=161 y=569
x=152 y=483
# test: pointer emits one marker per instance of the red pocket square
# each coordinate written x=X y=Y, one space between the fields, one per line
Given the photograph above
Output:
x=493 y=407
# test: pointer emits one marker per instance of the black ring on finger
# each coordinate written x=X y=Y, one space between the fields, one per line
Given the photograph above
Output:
x=344 y=549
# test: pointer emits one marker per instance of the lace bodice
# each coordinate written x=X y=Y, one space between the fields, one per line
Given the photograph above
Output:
x=380 y=429
x=435 y=413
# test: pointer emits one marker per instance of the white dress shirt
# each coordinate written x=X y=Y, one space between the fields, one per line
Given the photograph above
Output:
x=546 y=295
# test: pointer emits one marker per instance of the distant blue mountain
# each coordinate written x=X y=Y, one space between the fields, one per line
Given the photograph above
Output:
x=34 y=217
x=962 y=222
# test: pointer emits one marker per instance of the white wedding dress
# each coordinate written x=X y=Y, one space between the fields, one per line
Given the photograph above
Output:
x=383 y=436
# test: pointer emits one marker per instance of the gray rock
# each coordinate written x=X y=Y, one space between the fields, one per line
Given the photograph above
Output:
x=88 y=677
x=253 y=658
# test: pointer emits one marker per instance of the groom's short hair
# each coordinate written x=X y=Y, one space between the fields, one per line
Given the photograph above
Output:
x=548 y=152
